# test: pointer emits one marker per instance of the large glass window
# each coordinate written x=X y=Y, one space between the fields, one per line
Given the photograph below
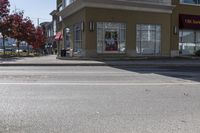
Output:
x=189 y=42
x=148 y=40
x=77 y=39
x=54 y=27
x=190 y=1
x=67 y=37
x=111 y=37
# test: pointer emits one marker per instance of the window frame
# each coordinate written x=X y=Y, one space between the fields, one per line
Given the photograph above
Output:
x=155 y=39
x=77 y=29
x=183 y=43
x=101 y=40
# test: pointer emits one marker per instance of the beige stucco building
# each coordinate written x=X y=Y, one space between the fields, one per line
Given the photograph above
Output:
x=99 y=28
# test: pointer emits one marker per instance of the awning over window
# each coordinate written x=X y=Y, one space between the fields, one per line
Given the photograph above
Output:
x=58 y=36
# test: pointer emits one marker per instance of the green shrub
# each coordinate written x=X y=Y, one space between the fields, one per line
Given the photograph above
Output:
x=197 y=53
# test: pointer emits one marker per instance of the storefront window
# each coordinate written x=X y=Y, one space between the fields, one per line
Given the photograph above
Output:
x=189 y=42
x=148 y=39
x=197 y=41
x=111 y=37
x=77 y=39
x=54 y=27
x=67 y=37
x=190 y=1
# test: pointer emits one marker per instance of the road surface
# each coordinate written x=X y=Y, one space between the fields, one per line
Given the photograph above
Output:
x=99 y=100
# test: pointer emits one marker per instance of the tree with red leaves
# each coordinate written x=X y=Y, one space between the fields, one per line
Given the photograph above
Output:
x=24 y=30
x=4 y=8
x=5 y=22
x=18 y=28
x=40 y=39
x=29 y=32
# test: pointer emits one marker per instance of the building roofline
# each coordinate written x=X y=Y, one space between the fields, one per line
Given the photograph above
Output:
x=53 y=12
x=134 y=6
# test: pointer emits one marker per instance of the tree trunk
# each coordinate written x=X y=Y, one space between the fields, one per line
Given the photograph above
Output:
x=17 y=48
x=28 y=49
x=4 y=47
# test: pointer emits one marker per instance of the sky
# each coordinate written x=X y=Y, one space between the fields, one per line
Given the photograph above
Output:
x=34 y=8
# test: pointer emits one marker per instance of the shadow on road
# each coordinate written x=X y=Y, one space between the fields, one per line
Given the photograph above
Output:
x=11 y=59
x=186 y=72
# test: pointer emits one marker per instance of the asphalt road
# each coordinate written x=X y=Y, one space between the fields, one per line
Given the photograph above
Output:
x=99 y=100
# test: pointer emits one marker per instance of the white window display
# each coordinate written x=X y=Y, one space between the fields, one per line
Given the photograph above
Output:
x=111 y=37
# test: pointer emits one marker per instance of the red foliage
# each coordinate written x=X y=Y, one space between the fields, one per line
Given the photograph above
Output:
x=29 y=31
x=6 y=25
x=18 y=28
x=39 y=38
x=24 y=30
x=5 y=22
x=4 y=8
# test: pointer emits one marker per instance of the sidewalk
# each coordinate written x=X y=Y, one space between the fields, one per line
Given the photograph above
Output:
x=51 y=60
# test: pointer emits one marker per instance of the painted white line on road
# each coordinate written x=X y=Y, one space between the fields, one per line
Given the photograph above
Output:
x=63 y=72
x=79 y=72
x=102 y=84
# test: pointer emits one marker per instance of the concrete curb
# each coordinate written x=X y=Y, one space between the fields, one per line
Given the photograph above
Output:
x=141 y=58
x=72 y=64
x=100 y=64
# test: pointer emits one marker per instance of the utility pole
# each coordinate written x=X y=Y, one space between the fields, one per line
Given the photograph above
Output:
x=15 y=9
x=38 y=21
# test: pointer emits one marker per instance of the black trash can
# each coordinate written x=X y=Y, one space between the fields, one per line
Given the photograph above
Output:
x=63 y=53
